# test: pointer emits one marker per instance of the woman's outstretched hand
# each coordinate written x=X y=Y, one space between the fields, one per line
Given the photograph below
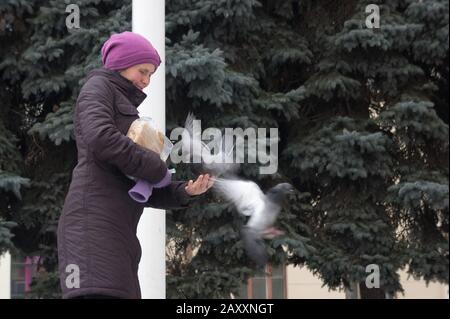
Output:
x=201 y=185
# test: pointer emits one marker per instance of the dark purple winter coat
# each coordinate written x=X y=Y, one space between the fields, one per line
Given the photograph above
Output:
x=97 y=228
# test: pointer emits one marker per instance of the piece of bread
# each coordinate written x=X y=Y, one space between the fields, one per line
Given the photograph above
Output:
x=143 y=134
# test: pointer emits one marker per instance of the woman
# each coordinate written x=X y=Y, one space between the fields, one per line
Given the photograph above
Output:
x=98 y=249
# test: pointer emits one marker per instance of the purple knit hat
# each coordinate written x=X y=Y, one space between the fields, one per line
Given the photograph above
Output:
x=126 y=49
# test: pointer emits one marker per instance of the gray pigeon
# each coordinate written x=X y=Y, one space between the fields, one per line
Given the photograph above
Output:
x=263 y=210
x=217 y=163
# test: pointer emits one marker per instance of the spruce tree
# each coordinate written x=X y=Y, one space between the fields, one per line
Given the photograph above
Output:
x=363 y=120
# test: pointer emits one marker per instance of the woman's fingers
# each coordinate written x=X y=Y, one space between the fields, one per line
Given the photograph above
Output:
x=205 y=182
x=210 y=183
x=189 y=184
x=201 y=184
x=198 y=182
x=202 y=181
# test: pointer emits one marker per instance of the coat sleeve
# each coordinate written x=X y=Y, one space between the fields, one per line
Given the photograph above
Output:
x=106 y=142
x=170 y=197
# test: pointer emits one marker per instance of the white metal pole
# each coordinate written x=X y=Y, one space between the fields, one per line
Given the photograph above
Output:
x=5 y=276
x=148 y=19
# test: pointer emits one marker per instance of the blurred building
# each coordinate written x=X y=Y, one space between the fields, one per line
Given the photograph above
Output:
x=279 y=282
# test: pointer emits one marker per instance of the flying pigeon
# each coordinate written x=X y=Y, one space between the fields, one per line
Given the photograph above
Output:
x=263 y=210
x=216 y=164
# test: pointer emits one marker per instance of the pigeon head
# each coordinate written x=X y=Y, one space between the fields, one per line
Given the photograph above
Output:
x=279 y=192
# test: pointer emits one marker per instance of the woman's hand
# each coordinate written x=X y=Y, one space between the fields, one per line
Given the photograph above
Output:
x=201 y=185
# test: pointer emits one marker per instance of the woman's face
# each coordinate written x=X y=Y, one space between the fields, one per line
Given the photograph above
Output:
x=139 y=74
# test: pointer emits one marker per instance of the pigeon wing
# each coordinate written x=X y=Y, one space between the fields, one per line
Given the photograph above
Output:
x=245 y=195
